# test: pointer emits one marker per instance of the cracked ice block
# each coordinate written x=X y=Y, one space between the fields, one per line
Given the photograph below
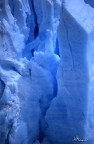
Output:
x=67 y=115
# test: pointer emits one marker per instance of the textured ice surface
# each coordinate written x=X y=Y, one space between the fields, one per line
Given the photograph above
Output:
x=9 y=33
x=46 y=71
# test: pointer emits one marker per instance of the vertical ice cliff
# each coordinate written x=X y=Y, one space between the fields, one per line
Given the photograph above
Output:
x=67 y=114
x=46 y=71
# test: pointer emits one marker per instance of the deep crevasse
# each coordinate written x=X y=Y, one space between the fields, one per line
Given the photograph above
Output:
x=46 y=71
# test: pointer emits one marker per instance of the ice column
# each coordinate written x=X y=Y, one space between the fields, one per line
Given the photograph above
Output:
x=67 y=115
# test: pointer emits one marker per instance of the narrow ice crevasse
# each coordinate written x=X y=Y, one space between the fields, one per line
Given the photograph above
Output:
x=27 y=82
x=44 y=96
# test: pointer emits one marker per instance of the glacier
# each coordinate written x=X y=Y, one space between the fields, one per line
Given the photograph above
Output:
x=46 y=71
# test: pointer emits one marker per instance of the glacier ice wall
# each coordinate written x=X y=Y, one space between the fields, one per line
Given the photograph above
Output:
x=46 y=71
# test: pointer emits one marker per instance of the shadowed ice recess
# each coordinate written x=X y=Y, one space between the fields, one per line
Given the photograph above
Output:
x=46 y=71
